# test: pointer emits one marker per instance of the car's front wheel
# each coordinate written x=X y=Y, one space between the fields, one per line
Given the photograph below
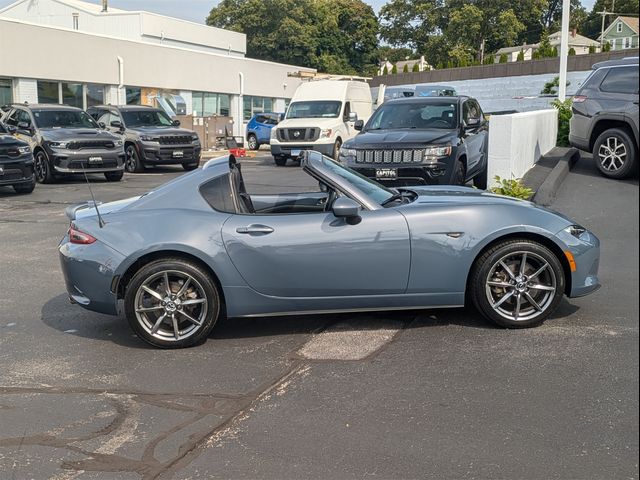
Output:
x=25 y=187
x=42 y=168
x=517 y=283
x=280 y=161
x=190 y=166
x=615 y=153
x=252 y=142
x=172 y=303
x=133 y=164
x=114 y=176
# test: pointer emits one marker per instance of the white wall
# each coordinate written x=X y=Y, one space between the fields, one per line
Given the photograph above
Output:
x=517 y=141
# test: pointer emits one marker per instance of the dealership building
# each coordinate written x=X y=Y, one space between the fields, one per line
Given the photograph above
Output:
x=83 y=54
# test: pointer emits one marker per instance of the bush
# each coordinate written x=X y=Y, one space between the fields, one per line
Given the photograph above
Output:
x=572 y=51
x=511 y=188
x=564 y=116
x=394 y=70
x=592 y=49
x=405 y=69
x=554 y=52
x=416 y=68
x=504 y=58
x=536 y=55
x=520 y=56
x=606 y=47
x=550 y=88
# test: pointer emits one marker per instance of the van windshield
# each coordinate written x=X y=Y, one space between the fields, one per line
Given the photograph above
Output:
x=314 y=109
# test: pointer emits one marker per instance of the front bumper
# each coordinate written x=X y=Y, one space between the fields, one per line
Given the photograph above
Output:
x=416 y=174
x=87 y=160
x=15 y=172
x=88 y=274
x=586 y=254
x=157 y=154
x=289 y=150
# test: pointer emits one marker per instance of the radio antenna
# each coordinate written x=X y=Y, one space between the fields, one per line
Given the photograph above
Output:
x=93 y=199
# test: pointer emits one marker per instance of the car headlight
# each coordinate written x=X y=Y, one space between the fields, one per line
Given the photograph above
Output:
x=347 y=154
x=437 y=151
x=24 y=150
x=325 y=133
x=59 y=144
x=118 y=143
x=148 y=138
x=576 y=230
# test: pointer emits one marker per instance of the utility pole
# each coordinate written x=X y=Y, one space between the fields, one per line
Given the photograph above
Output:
x=604 y=15
x=482 y=52
x=564 y=50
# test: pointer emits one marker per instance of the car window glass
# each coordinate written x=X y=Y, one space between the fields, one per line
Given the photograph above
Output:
x=414 y=115
x=104 y=118
x=23 y=117
x=271 y=120
x=217 y=193
x=621 y=80
x=146 y=118
x=12 y=119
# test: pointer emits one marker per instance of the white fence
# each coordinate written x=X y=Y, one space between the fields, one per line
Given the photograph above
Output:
x=517 y=141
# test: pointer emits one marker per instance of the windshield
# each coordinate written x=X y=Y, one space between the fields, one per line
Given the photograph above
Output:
x=314 y=109
x=146 y=118
x=63 y=119
x=420 y=116
x=372 y=189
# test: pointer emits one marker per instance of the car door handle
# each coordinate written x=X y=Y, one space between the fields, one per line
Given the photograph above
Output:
x=262 y=229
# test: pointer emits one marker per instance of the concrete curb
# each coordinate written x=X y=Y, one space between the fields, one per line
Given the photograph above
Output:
x=566 y=158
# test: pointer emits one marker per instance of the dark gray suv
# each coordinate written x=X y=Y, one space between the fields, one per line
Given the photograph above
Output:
x=605 y=117
x=151 y=137
x=65 y=140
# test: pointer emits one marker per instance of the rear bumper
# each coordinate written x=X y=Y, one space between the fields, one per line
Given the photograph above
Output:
x=88 y=274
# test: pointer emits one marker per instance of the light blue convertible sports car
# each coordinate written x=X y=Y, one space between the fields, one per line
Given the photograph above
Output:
x=199 y=247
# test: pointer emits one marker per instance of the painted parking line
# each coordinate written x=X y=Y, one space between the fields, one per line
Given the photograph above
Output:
x=351 y=339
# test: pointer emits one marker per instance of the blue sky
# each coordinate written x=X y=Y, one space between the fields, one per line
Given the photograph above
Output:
x=197 y=10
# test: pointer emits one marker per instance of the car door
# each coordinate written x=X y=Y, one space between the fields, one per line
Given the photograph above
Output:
x=473 y=137
x=319 y=255
x=24 y=124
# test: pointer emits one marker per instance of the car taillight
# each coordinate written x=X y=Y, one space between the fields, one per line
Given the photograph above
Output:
x=78 y=237
x=579 y=98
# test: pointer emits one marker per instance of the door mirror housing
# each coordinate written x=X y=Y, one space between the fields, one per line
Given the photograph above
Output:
x=102 y=125
x=359 y=125
x=352 y=117
x=344 y=207
x=116 y=124
x=176 y=123
x=24 y=128
x=473 y=123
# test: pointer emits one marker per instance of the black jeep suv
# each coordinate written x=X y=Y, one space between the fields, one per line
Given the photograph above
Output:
x=65 y=140
x=605 y=117
x=16 y=162
x=151 y=137
x=417 y=141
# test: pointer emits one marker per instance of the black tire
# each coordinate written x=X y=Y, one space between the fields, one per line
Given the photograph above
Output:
x=252 y=142
x=200 y=286
x=538 y=295
x=42 y=168
x=459 y=174
x=618 y=162
x=24 y=188
x=190 y=166
x=132 y=162
x=280 y=161
x=114 y=176
x=336 y=149
x=480 y=180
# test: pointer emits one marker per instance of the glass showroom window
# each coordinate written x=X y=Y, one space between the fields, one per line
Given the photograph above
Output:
x=252 y=105
x=48 y=92
x=73 y=95
x=208 y=104
x=134 y=96
x=95 y=95
x=6 y=96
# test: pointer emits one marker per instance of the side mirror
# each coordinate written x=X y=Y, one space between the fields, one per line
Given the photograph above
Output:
x=116 y=124
x=102 y=125
x=344 y=207
x=352 y=117
x=24 y=128
x=359 y=125
x=473 y=123
x=176 y=123
x=11 y=129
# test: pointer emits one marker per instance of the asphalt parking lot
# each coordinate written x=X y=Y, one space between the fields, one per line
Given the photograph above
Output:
x=422 y=394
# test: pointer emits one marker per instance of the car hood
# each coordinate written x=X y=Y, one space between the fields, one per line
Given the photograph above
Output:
x=59 y=134
x=153 y=130
x=7 y=140
x=404 y=137
x=309 y=122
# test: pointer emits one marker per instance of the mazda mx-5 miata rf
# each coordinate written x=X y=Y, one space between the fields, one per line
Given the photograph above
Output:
x=201 y=247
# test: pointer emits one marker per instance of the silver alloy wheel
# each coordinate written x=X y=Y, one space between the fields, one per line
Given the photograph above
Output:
x=521 y=286
x=613 y=154
x=252 y=142
x=171 y=305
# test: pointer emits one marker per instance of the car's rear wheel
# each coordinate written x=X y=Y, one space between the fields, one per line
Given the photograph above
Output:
x=615 y=153
x=459 y=173
x=517 y=283
x=114 y=176
x=280 y=161
x=42 y=168
x=132 y=163
x=252 y=142
x=172 y=303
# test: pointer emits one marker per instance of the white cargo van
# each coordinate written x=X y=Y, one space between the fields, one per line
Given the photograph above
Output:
x=320 y=117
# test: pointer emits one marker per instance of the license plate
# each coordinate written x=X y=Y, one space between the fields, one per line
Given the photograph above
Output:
x=94 y=160
x=178 y=154
x=386 y=173
x=295 y=153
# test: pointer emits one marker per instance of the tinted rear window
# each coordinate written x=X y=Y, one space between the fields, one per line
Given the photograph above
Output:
x=217 y=193
x=621 y=80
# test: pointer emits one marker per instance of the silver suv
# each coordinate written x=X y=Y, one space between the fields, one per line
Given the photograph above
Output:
x=605 y=117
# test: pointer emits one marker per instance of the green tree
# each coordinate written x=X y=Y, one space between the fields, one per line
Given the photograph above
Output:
x=503 y=58
x=405 y=69
x=392 y=54
x=394 y=69
x=554 y=52
x=606 y=47
x=415 y=68
x=572 y=51
x=544 y=48
x=489 y=60
x=385 y=71
x=592 y=49
x=520 y=56
x=303 y=32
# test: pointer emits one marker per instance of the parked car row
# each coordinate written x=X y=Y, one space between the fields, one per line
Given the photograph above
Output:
x=63 y=140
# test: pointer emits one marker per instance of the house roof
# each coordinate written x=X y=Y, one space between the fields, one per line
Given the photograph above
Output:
x=516 y=49
x=632 y=22
x=577 y=40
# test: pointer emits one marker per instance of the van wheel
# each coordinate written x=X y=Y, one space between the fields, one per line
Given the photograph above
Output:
x=114 y=176
x=614 y=153
x=280 y=161
x=336 y=149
